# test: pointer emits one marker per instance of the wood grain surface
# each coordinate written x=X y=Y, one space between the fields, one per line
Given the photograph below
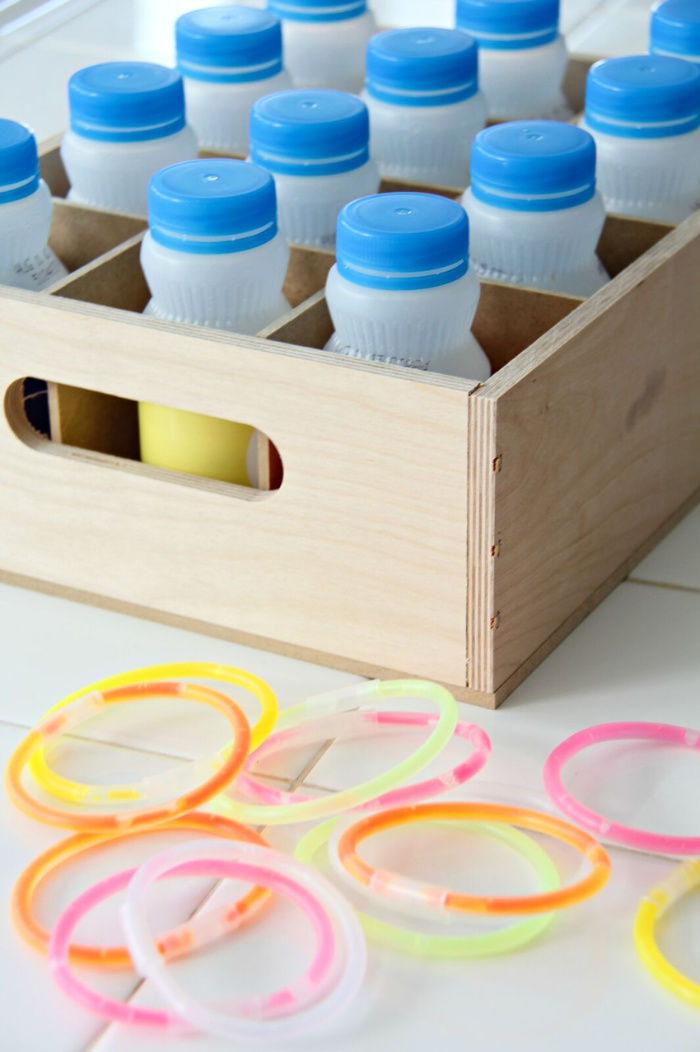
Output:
x=360 y=554
x=581 y=448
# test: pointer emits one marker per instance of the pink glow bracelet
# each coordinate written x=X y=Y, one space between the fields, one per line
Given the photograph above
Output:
x=313 y=984
x=352 y=724
x=284 y=1015
x=614 y=832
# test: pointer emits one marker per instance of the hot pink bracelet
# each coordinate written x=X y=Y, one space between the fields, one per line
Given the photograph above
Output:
x=351 y=723
x=598 y=824
x=308 y=989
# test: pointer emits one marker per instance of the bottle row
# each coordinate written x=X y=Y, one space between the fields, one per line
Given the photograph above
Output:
x=404 y=289
x=421 y=109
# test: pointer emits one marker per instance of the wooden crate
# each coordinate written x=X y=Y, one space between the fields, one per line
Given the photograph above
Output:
x=424 y=525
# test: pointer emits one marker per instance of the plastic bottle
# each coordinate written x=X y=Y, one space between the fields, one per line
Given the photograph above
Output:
x=316 y=145
x=325 y=41
x=534 y=213
x=644 y=114
x=675 y=30
x=402 y=291
x=229 y=57
x=26 y=261
x=213 y=257
x=127 y=121
x=424 y=103
x=522 y=57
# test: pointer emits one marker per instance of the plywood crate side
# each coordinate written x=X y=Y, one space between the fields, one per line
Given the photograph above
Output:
x=51 y=166
x=597 y=443
x=361 y=553
x=307 y=272
x=308 y=325
x=113 y=280
x=620 y=573
x=575 y=81
x=81 y=235
x=625 y=239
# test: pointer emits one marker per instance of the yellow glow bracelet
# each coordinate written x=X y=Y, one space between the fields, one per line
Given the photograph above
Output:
x=653 y=907
x=76 y=792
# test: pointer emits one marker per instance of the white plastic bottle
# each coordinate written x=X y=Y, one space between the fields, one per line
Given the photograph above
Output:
x=316 y=145
x=675 y=30
x=522 y=57
x=229 y=58
x=26 y=261
x=213 y=256
x=644 y=114
x=535 y=216
x=325 y=41
x=402 y=291
x=424 y=103
x=127 y=120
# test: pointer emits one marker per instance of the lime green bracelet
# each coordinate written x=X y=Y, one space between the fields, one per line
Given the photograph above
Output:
x=356 y=696
x=490 y=944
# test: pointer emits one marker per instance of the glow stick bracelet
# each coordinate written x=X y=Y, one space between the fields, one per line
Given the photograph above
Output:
x=407 y=895
x=489 y=944
x=258 y=861
x=315 y=981
x=352 y=724
x=215 y=771
x=172 y=945
x=75 y=792
x=681 y=882
x=341 y=701
x=614 y=832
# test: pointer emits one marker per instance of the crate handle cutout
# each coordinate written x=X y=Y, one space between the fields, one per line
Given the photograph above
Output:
x=102 y=428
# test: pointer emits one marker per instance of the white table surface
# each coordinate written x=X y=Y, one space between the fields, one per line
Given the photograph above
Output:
x=636 y=658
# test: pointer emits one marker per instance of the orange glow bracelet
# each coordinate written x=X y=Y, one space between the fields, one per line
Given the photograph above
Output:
x=76 y=793
x=171 y=945
x=409 y=895
x=215 y=772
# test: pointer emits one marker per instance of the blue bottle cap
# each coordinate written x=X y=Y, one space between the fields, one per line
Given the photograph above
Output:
x=643 y=97
x=509 y=24
x=675 y=29
x=317 y=10
x=126 y=102
x=422 y=67
x=229 y=44
x=309 y=133
x=19 y=163
x=212 y=206
x=403 y=241
x=533 y=166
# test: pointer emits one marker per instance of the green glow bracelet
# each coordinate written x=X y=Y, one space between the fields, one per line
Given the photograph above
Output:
x=490 y=944
x=356 y=696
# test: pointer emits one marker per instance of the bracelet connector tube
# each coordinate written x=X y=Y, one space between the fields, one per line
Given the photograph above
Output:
x=414 y=893
x=83 y=708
